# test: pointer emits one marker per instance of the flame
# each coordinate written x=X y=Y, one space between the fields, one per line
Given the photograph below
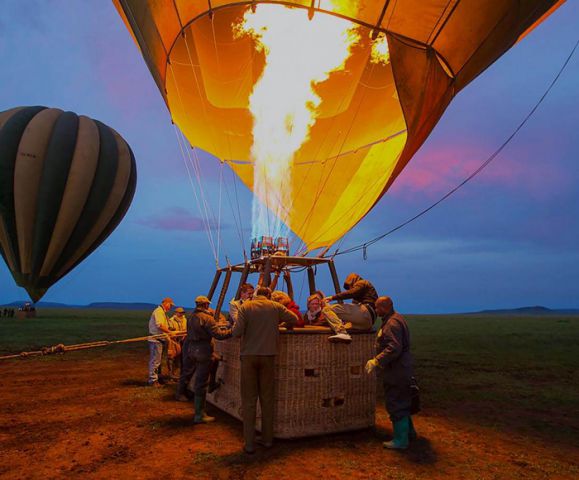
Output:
x=299 y=54
x=380 y=52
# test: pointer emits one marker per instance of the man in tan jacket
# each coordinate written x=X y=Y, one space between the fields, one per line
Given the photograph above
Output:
x=257 y=325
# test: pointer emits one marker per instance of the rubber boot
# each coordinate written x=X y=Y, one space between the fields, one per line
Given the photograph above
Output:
x=180 y=394
x=400 y=440
x=200 y=415
x=412 y=435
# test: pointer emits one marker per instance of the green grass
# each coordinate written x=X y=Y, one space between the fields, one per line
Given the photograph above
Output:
x=501 y=368
x=70 y=326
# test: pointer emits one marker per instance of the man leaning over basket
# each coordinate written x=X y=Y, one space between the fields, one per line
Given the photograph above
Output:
x=257 y=325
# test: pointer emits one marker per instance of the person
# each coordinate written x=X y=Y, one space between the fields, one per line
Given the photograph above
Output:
x=361 y=312
x=246 y=294
x=202 y=328
x=283 y=298
x=257 y=325
x=157 y=325
x=394 y=358
x=320 y=314
x=176 y=323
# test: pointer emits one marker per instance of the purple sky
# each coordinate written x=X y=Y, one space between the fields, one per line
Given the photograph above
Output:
x=509 y=238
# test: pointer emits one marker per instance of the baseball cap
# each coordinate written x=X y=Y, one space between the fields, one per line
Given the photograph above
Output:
x=180 y=310
x=168 y=300
x=202 y=299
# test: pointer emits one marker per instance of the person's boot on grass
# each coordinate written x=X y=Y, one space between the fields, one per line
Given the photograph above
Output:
x=200 y=415
x=400 y=440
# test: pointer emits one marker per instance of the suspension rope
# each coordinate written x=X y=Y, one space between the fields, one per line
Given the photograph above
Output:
x=238 y=211
x=219 y=208
x=203 y=219
x=237 y=222
x=494 y=155
x=207 y=208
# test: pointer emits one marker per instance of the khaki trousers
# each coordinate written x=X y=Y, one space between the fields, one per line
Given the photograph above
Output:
x=257 y=381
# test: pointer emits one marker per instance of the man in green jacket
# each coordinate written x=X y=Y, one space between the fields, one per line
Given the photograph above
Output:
x=257 y=325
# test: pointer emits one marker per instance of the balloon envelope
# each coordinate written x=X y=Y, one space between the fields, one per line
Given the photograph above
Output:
x=66 y=181
x=372 y=117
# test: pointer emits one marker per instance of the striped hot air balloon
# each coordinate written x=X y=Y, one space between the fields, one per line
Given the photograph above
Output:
x=66 y=181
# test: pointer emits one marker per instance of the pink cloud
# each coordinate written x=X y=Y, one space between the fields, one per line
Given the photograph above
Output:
x=175 y=219
x=437 y=169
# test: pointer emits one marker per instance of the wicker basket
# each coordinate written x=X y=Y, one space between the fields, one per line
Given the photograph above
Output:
x=321 y=387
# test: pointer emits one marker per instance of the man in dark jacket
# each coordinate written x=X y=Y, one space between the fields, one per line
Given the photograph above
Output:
x=358 y=289
x=361 y=312
x=197 y=350
x=394 y=358
x=257 y=325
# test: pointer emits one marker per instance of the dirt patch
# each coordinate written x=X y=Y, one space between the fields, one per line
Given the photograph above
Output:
x=90 y=415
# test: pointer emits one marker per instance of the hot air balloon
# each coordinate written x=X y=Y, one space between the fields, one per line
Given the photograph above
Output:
x=66 y=181
x=319 y=139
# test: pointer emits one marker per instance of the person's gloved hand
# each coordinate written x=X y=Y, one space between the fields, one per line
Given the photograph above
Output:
x=371 y=365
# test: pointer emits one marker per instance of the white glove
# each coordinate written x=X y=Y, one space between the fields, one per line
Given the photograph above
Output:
x=371 y=366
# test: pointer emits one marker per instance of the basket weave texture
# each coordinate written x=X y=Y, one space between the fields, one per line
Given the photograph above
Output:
x=321 y=387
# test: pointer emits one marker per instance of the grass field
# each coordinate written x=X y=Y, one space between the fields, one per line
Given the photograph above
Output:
x=477 y=366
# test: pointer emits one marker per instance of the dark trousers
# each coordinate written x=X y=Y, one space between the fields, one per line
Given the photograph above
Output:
x=196 y=360
x=398 y=398
x=257 y=381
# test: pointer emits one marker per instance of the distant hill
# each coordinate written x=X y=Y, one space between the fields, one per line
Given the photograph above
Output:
x=19 y=303
x=536 y=310
x=123 y=306
x=108 y=305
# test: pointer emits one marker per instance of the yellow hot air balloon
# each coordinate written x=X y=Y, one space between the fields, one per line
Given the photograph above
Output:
x=319 y=105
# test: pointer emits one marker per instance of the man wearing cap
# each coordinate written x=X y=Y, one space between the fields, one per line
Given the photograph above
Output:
x=158 y=324
x=202 y=328
x=177 y=323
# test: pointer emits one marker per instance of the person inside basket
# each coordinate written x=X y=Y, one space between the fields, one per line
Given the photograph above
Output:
x=246 y=294
x=283 y=298
x=202 y=328
x=320 y=314
x=257 y=325
x=158 y=325
x=361 y=312
x=394 y=359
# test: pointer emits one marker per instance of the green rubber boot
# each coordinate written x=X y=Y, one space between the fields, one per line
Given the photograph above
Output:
x=412 y=435
x=401 y=430
x=200 y=415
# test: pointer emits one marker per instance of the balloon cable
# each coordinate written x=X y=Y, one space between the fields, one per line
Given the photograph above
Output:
x=364 y=246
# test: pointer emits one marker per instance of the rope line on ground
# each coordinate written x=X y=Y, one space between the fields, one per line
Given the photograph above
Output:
x=61 y=348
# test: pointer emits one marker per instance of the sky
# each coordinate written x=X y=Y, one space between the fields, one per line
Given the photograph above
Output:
x=508 y=238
